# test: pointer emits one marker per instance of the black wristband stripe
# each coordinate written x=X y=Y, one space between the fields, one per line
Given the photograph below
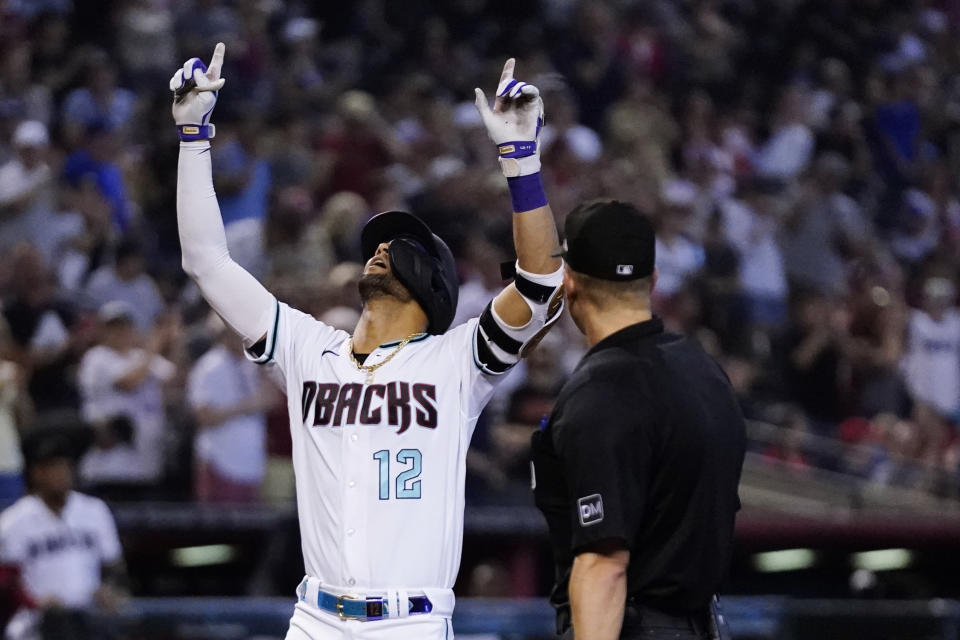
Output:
x=496 y=334
x=487 y=360
x=539 y=293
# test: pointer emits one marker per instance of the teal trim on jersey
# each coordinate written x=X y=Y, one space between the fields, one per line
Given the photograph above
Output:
x=422 y=336
x=270 y=348
x=276 y=326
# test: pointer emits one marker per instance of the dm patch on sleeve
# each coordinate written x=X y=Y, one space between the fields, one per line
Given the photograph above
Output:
x=591 y=509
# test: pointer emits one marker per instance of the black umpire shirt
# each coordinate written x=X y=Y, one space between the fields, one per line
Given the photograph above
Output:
x=644 y=446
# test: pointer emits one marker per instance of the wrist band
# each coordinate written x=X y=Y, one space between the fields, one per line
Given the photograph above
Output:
x=526 y=192
x=518 y=149
x=190 y=132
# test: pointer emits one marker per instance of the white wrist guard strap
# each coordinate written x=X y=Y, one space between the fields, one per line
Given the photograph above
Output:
x=516 y=167
x=500 y=346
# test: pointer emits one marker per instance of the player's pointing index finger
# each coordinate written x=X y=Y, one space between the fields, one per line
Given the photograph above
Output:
x=505 y=78
x=507 y=70
x=216 y=62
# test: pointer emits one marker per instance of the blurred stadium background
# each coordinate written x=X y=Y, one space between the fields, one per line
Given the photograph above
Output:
x=800 y=158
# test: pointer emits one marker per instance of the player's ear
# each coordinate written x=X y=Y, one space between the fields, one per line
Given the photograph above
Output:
x=569 y=283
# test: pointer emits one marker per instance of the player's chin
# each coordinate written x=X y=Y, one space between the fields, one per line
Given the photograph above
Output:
x=384 y=284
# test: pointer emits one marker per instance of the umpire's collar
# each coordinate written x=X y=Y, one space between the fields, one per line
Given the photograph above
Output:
x=630 y=334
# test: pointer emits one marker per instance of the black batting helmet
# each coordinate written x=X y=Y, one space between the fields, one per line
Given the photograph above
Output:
x=420 y=259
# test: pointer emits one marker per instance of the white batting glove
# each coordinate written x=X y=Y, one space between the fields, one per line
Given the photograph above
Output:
x=514 y=123
x=195 y=88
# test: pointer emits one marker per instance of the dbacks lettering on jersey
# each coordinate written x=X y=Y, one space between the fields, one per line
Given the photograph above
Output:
x=337 y=405
x=55 y=543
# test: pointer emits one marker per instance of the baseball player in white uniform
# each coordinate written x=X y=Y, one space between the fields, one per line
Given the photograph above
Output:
x=381 y=419
x=62 y=543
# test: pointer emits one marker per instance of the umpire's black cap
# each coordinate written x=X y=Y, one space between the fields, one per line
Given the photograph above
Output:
x=609 y=240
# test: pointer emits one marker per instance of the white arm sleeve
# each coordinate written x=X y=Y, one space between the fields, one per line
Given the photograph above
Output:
x=237 y=296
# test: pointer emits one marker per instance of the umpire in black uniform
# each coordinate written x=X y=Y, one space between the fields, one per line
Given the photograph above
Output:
x=637 y=468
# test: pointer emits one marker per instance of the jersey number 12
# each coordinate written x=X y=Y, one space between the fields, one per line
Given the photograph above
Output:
x=408 y=481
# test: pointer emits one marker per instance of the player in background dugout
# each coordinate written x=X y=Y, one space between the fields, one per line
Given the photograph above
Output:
x=60 y=555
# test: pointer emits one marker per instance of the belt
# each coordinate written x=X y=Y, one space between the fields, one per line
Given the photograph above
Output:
x=637 y=616
x=364 y=608
x=368 y=608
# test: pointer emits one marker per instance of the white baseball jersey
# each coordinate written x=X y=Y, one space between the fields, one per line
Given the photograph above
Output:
x=379 y=466
x=99 y=370
x=236 y=447
x=932 y=361
x=59 y=555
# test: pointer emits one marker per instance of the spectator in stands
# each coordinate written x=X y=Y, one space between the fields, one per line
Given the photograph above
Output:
x=65 y=546
x=146 y=40
x=229 y=400
x=97 y=163
x=823 y=229
x=640 y=126
x=918 y=229
x=244 y=179
x=587 y=59
x=877 y=328
x=89 y=244
x=814 y=359
x=26 y=189
x=14 y=410
x=750 y=225
x=56 y=63
x=786 y=154
x=678 y=257
x=48 y=336
x=356 y=145
x=118 y=377
x=99 y=102
x=110 y=467
x=931 y=363
x=21 y=96
x=897 y=127
x=127 y=281
x=564 y=131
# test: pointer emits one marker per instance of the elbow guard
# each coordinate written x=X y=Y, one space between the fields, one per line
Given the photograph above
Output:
x=500 y=346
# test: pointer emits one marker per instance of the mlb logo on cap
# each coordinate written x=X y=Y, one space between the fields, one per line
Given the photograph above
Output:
x=624 y=269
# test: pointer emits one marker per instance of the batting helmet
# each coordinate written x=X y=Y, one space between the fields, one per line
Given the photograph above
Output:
x=421 y=261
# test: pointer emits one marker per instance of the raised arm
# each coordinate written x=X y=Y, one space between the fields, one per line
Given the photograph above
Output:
x=243 y=303
x=523 y=311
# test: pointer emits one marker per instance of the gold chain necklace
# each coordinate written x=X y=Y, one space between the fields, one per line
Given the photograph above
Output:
x=370 y=368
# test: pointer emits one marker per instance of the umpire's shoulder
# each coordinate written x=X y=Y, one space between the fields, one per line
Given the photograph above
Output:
x=609 y=367
x=603 y=377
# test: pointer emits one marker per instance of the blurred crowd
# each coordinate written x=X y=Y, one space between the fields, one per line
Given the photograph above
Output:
x=799 y=158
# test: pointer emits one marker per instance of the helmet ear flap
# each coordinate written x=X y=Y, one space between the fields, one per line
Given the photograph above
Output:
x=431 y=280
